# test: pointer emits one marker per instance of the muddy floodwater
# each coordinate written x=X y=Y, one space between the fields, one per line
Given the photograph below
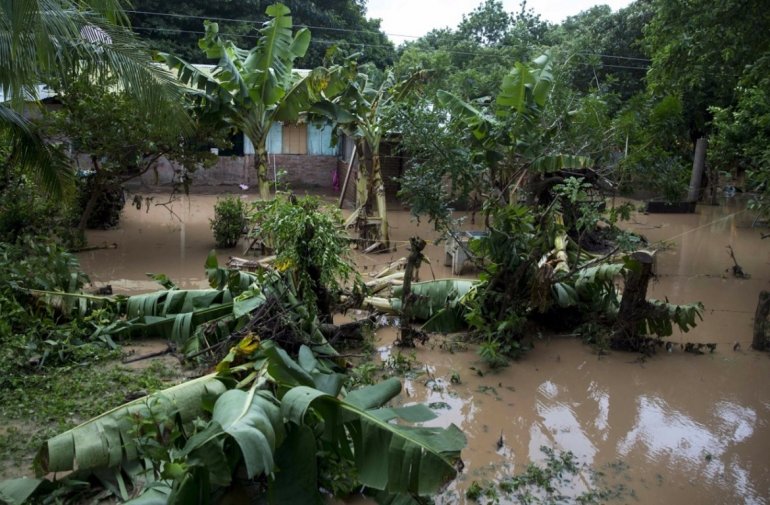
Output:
x=674 y=428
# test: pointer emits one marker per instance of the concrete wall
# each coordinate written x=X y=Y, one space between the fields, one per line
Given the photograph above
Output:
x=301 y=171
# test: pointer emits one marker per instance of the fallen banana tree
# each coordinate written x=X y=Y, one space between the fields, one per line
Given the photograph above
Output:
x=275 y=419
x=558 y=297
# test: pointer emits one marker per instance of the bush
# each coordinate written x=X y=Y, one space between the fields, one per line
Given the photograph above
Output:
x=229 y=221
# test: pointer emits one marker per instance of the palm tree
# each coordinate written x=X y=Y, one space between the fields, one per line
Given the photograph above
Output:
x=55 y=40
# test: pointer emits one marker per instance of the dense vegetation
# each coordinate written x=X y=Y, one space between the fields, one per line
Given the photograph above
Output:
x=519 y=120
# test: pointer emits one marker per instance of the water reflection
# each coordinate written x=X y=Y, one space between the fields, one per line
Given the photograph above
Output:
x=672 y=439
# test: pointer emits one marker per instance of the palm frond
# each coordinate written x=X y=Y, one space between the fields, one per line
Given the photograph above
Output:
x=47 y=164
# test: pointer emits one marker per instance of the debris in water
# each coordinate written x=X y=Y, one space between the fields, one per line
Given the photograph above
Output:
x=737 y=269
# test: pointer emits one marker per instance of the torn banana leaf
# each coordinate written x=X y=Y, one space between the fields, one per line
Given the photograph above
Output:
x=439 y=303
x=105 y=441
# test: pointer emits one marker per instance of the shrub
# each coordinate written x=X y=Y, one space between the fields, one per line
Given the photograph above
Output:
x=229 y=221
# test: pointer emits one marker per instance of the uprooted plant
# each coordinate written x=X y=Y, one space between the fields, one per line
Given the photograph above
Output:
x=534 y=275
x=262 y=420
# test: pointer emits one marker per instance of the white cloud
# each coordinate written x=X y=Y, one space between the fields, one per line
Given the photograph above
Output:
x=417 y=17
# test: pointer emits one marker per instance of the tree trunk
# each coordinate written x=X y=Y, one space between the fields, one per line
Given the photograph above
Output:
x=379 y=191
x=96 y=192
x=413 y=261
x=761 y=323
x=633 y=305
x=698 y=166
x=261 y=163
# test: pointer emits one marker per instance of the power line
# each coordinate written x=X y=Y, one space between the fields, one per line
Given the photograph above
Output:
x=201 y=32
x=604 y=65
x=347 y=30
x=359 y=44
x=252 y=21
x=616 y=57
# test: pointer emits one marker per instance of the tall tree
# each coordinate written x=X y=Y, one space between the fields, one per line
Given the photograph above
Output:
x=471 y=60
x=65 y=39
x=175 y=27
x=114 y=140
x=700 y=50
x=605 y=49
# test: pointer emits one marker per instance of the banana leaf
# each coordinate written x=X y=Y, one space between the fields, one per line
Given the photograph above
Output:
x=17 y=491
x=253 y=420
x=104 y=441
x=390 y=457
x=439 y=303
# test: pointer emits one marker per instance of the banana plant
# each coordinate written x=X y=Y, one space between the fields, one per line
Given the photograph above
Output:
x=273 y=424
x=507 y=131
x=363 y=112
x=256 y=88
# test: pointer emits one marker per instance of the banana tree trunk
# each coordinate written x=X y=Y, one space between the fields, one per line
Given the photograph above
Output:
x=261 y=163
x=379 y=191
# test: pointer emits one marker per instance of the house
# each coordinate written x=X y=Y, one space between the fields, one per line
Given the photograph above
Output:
x=301 y=155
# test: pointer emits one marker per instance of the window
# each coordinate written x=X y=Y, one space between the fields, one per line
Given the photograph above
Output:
x=314 y=138
x=294 y=139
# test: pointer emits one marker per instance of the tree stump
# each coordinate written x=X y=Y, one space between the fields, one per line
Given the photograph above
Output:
x=633 y=304
x=407 y=334
x=761 y=323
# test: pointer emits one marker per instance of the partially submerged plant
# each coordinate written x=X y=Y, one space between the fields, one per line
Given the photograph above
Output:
x=309 y=245
x=229 y=221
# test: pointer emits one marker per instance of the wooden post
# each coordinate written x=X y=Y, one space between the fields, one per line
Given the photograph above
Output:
x=698 y=166
x=347 y=177
x=761 y=323
x=413 y=261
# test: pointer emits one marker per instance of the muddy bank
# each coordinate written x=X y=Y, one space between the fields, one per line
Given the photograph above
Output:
x=691 y=429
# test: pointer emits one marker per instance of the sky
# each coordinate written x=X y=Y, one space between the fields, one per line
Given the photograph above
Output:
x=418 y=17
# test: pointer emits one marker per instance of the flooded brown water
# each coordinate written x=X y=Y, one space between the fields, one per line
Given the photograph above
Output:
x=690 y=429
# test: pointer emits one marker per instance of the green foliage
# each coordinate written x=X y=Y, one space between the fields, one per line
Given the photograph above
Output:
x=229 y=222
x=308 y=241
x=442 y=173
x=121 y=141
x=105 y=212
x=659 y=150
x=43 y=330
x=605 y=49
x=498 y=306
x=275 y=426
x=471 y=60
x=704 y=66
x=343 y=21
x=741 y=140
